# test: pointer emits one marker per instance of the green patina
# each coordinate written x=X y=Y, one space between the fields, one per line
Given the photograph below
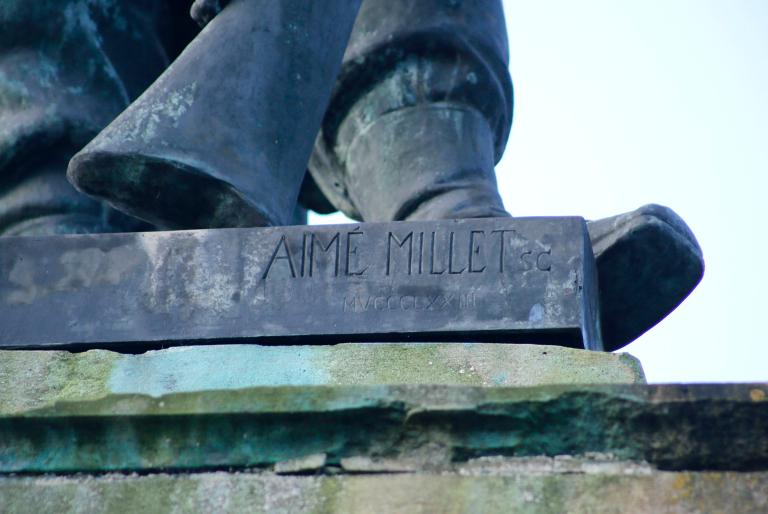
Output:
x=380 y=363
x=675 y=427
x=38 y=379
x=35 y=379
x=59 y=412
x=475 y=365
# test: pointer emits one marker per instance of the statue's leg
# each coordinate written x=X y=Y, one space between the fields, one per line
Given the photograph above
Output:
x=67 y=67
x=421 y=113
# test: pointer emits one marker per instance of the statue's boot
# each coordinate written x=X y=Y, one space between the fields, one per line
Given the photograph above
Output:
x=425 y=162
x=223 y=137
x=648 y=262
x=67 y=67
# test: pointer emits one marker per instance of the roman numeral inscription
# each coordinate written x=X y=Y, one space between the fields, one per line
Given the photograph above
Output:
x=510 y=280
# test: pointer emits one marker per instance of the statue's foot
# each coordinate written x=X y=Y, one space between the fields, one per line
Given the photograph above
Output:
x=648 y=262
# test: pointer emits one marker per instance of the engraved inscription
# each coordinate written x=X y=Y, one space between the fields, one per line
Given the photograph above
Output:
x=439 y=302
x=475 y=249
x=316 y=243
x=454 y=252
x=282 y=253
x=351 y=259
x=399 y=243
x=469 y=251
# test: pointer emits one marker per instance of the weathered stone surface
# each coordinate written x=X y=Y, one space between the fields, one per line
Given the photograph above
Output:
x=509 y=488
x=34 y=379
x=695 y=427
x=301 y=465
x=511 y=280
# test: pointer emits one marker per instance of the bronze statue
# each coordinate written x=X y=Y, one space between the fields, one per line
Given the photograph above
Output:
x=398 y=112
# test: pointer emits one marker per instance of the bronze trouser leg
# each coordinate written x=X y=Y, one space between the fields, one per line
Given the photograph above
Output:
x=421 y=113
x=223 y=137
x=67 y=67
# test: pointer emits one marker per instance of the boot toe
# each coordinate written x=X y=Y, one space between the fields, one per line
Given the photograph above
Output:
x=648 y=262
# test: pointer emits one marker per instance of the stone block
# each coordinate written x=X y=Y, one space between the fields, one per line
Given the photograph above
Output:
x=672 y=427
x=35 y=379
x=512 y=486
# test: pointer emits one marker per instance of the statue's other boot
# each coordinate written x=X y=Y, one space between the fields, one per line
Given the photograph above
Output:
x=223 y=137
x=426 y=162
x=67 y=67
x=648 y=262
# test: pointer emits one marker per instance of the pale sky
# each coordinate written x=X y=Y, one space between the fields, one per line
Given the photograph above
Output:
x=623 y=103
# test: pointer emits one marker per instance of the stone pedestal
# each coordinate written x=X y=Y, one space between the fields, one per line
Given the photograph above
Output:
x=372 y=428
x=511 y=486
x=33 y=379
